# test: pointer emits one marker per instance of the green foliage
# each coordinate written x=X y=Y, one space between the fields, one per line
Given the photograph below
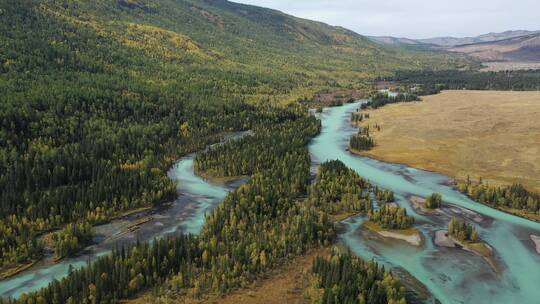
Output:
x=72 y=238
x=344 y=278
x=380 y=99
x=339 y=189
x=462 y=230
x=361 y=142
x=434 y=81
x=514 y=196
x=258 y=226
x=433 y=201
x=383 y=195
x=390 y=217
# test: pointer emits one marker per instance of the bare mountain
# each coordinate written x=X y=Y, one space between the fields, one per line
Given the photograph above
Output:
x=452 y=41
x=522 y=48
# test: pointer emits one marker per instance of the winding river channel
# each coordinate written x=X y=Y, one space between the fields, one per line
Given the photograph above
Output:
x=186 y=214
x=451 y=275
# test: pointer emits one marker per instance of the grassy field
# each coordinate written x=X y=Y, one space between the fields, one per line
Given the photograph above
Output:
x=490 y=134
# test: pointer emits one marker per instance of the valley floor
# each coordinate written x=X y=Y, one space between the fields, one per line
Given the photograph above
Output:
x=494 y=135
x=283 y=285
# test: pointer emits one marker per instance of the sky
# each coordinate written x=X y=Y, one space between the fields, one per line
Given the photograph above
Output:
x=415 y=18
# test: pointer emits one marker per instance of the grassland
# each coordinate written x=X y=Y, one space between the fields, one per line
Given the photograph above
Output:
x=490 y=134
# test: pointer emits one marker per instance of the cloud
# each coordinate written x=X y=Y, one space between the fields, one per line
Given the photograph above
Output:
x=415 y=18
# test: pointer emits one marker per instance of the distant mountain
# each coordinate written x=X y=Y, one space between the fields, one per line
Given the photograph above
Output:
x=523 y=48
x=394 y=40
x=452 y=41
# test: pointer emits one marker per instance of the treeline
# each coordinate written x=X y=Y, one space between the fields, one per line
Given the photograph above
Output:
x=379 y=99
x=383 y=195
x=360 y=142
x=472 y=80
x=72 y=238
x=390 y=217
x=339 y=189
x=462 y=231
x=514 y=196
x=343 y=278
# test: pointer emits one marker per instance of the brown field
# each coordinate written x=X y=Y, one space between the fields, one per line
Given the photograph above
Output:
x=283 y=285
x=490 y=134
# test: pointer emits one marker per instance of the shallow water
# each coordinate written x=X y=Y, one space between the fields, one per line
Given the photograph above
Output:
x=186 y=214
x=451 y=275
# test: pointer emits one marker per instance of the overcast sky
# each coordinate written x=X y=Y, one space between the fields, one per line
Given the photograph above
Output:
x=415 y=18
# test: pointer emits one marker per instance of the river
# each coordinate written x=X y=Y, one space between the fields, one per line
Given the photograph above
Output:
x=450 y=275
x=186 y=214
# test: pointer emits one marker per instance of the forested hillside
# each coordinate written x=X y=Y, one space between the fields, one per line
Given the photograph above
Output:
x=99 y=97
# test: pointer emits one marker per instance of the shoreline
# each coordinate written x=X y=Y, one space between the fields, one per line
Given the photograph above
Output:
x=443 y=239
x=515 y=212
x=13 y=271
x=412 y=236
x=536 y=241
x=216 y=179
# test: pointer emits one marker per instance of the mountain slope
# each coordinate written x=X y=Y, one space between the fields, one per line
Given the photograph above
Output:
x=523 y=48
x=453 y=41
x=136 y=35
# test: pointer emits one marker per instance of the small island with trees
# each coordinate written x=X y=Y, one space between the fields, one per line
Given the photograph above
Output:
x=393 y=222
x=463 y=235
x=433 y=201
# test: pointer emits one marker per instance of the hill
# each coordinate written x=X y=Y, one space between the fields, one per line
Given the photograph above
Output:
x=100 y=97
x=453 y=41
x=522 y=49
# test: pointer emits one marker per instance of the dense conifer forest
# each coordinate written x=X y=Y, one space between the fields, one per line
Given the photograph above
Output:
x=360 y=142
x=380 y=99
x=343 y=278
x=434 y=81
x=257 y=227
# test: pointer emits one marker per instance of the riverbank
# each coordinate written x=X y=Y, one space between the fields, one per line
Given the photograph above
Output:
x=216 y=179
x=436 y=135
x=16 y=269
x=536 y=241
x=411 y=235
x=419 y=206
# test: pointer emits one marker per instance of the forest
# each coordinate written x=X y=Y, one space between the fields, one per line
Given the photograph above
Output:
x=258 y=226
x=435 y=81
x=344 y=278
x=380 y=99
x=72 y=238
x=514 y=196
x=92 y=113
x=360 y=142
x=338 y=188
